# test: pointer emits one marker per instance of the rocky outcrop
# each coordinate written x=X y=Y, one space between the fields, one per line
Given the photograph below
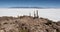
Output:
x=28 y=24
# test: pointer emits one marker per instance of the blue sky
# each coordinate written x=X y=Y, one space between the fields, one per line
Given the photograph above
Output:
x=29 y=3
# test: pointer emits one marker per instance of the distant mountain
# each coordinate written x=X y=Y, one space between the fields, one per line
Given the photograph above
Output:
x=36 y=7
x=27 y=7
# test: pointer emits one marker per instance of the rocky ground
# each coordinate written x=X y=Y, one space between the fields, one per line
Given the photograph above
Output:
x=28 y=24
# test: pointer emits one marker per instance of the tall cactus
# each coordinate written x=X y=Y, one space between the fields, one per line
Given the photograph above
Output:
x=37 y=14
x=34 y=14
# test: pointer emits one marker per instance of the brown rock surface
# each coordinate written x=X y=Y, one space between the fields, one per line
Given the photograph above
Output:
x=28 y=24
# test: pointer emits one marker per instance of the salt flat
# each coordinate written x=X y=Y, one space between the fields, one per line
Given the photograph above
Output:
x=53 y=14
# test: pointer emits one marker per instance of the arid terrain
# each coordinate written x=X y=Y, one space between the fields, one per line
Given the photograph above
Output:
x=28 y=24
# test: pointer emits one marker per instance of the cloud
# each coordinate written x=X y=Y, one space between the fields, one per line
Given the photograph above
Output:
x=53 y=14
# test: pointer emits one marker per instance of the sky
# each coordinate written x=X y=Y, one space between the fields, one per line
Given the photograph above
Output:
x=29 y=3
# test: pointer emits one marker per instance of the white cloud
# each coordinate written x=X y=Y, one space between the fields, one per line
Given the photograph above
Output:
x=53 y=14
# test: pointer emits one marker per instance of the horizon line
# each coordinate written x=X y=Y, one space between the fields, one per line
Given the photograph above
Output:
x=34 y=7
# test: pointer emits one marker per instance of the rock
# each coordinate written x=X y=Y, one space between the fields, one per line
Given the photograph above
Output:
x=28 y=24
